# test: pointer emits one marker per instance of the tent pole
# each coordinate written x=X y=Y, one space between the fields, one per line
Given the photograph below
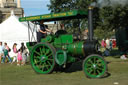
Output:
x=28 y=31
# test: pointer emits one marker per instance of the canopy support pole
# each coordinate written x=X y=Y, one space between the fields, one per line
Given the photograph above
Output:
x=28 y=31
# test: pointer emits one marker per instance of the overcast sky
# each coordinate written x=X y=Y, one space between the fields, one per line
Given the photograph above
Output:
x=35 y=7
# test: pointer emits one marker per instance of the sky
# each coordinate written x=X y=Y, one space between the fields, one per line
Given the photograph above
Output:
x=35 y=7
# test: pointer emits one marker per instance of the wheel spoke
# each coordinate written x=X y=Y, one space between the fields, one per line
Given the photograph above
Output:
x=47 y=51
x=94 y=71
x=88 y=65
x=98 y=71
x=49 y=55
x=43 y=50
x=99 y=68
x=49 y=63
x=98 y=62
x=36 y=57
x=50 y=59
x=36 y=61
x=90 y=61
x=46 y=65
x=39 y=65
x=43 y=67
x=90 y=70
x=94 y=60
x=37 y=53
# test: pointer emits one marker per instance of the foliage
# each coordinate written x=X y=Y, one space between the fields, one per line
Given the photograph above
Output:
x=106 y=18
x=66 y=5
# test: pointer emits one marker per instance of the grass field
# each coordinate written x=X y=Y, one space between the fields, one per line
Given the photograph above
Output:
x=25 y=75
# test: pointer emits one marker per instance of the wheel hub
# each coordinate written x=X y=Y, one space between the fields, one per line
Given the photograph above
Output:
x=94 y=66
x=43 y=57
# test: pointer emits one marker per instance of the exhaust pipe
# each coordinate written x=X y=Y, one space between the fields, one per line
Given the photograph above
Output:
x=90 y=22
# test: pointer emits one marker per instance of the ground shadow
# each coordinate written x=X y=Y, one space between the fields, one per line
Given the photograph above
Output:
x=75 y=67
x=115 y=53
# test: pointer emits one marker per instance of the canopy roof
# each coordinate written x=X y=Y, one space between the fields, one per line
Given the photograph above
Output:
x=73 y=14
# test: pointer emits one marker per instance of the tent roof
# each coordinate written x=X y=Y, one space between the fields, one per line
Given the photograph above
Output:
x=73 y=14
x=13 y=30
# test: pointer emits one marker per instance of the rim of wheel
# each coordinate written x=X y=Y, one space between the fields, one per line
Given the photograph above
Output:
x=94 y=66
x=42 y=58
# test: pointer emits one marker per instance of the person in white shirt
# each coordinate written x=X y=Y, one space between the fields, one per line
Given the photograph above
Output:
x=107 y=43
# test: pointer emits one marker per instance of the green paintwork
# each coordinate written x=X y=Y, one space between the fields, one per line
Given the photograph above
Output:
x=42 y=58
x=76 y=48
x=62 y=40
x=48 y=39
x=66 y=39
x=29 y=46
x=70 y=59
x=61 y=57
x=55 y=16
x=94 y=66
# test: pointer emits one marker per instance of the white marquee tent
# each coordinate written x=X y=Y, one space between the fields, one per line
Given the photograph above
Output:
x=12 y=31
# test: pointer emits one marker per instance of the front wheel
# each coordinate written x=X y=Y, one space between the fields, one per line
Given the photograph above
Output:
x=94 y=66
x=42 y=58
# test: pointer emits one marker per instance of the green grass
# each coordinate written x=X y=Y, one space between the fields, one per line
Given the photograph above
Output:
x=25 y=75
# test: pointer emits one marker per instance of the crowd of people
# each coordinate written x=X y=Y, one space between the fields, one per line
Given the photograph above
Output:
x=108 y=45
x=20 y=55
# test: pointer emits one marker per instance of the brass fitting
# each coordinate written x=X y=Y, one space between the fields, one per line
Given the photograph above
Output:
x=90 y=7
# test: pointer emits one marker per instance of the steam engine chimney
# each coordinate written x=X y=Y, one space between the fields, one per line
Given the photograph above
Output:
x=18 y=4
x=90 y=22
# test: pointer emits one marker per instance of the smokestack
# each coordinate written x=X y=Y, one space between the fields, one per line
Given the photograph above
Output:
x=90 y=22
x=2 y=4
x=18 y=4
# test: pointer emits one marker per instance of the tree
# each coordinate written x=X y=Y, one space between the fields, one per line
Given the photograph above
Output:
x=106 y=19
x=111 y=19
x=66 y=5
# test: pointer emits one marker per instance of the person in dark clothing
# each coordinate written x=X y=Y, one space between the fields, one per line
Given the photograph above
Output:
x=42 y=32
x=22 y=47
x=24 y=52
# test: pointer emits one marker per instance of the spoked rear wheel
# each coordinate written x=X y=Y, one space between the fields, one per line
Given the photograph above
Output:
x=42 y=58
x=94 y=66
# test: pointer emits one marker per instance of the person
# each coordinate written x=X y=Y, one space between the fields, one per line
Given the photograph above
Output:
x=107 y=43
x=19 y=58
x=106 y=52
x=114 y=43
x=6 y=53
x=110 y=45
x=24 y=53
x=85 y=34
x=102 y=43
x=41 y=33
x=1 y=51
x=15 y=52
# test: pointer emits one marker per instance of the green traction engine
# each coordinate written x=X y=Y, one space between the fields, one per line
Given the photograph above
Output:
x=61 y=50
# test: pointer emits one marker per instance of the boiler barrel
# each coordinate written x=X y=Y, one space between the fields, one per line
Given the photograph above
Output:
x=76 y=48
x=83 y=47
